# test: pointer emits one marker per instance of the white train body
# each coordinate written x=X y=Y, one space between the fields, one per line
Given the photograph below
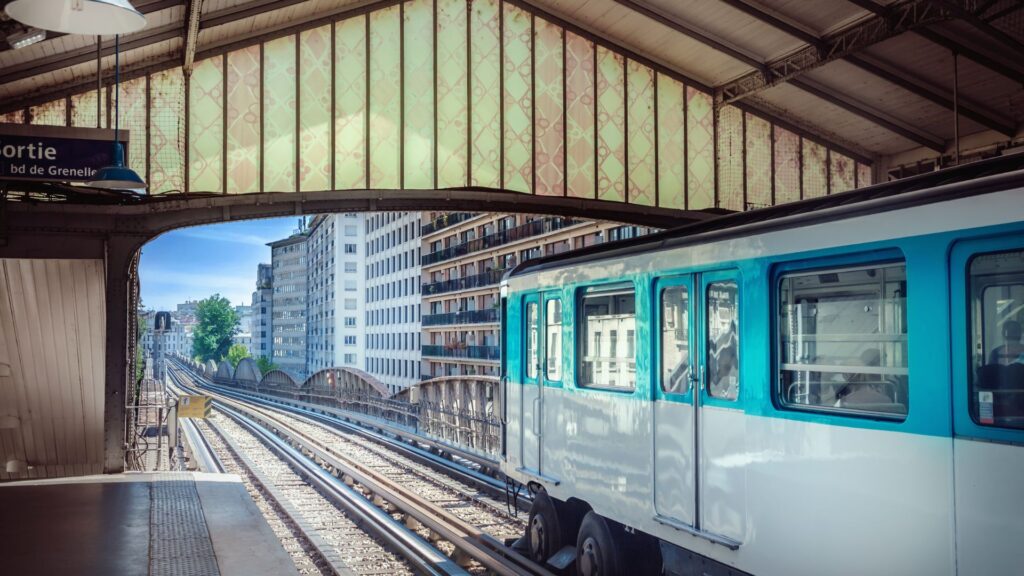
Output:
x=765 y=484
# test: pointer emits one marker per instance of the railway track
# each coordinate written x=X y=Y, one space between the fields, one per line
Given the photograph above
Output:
x=460 y=521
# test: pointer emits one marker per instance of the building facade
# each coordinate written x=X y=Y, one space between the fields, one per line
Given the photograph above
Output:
x=335 y=311
x=392 y=274
x=262 y=312
x=464 y=256
x=288 y=321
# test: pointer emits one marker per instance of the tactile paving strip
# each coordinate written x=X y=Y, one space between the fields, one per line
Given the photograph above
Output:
x=179 y=542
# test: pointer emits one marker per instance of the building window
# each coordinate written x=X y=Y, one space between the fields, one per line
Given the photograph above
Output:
x=843 y=340
x=350 y=249
x=606 y=360
x=350 y=321
x=350 y=303
x=350 y=267
x=350 y=340
x=351 y=230
x=350 y=359
x=553 y=340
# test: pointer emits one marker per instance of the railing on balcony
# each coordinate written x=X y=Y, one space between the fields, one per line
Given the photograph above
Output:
x=532 y=228
x=460 y=350
x=444 y=221
x=489 y=278
x=467 y=317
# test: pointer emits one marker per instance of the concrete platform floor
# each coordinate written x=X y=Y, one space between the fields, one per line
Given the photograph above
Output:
x=148 y=524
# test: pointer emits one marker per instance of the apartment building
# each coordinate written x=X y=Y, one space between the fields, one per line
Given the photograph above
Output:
x=288 y=324
x=392 y=295
x=335 y=305
x=464 y=256
x=262 y=312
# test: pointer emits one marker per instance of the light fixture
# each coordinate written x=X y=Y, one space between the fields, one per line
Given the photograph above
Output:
x=117 y=176
x=26 y=38
x=91 y=17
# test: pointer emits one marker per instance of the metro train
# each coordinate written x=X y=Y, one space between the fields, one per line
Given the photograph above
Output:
x=834 y=386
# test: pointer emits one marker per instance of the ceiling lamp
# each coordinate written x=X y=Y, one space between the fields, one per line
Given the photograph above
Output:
x=117 y=176
x=26 y=38
x=93 y=17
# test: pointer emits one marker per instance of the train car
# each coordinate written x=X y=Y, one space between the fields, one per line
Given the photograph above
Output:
x=835 y=386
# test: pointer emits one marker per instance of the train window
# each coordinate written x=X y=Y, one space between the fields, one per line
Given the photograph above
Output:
x=607 y=338
x=997 y=313
x=532 y=333
x=723 y=340
x=553 y=340
x=675 y=340
x=843 y=340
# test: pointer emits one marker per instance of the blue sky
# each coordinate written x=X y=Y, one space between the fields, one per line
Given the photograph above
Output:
x=193 y=263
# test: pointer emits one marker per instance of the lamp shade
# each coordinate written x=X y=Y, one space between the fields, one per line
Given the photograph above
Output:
x=117 y=176
x=93 y=17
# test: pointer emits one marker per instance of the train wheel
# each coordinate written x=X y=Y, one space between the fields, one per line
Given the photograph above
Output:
x=598 y=550
x=543 y=532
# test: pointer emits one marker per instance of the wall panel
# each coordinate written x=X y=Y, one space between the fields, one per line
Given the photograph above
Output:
x=279 y=109
x=517 y=100
x=549 y=126
x=580 y=116
x=611 y=126
x=83 y=110
x=166 y=132
x=315 y=109
x=700 y=150
x=53 y=113
x=640 y=137
x=243 y=133
x=759 y=162
x=671 y=125
x=842 y=173
x=418 y=64
x=787 y=166
x=350 y=86
x=385 y=98
x=452 y=94
x=815 y=169
x=206 y=127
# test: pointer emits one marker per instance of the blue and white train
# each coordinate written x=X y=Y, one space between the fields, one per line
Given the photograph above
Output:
x=830 y=387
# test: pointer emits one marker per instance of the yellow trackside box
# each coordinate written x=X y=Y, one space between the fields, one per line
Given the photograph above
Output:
x=194 y=407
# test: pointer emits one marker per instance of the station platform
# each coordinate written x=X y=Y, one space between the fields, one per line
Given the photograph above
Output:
x=156 y=524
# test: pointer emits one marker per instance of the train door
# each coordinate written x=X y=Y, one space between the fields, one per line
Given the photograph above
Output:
x=674 y=449
x=697 y=422
x=530 y=399
x=987 y=292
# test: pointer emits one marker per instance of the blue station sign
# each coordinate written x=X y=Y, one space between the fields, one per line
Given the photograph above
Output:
x=55 y=153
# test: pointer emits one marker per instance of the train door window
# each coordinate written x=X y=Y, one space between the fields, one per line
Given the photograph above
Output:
x=532 y=340
x=675 y=340
x=553 y=340
x=607 y=329
x=997 y=313
x=723 y=340
x=843 y=340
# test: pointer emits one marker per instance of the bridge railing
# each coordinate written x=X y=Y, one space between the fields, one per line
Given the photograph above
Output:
x=461 y=411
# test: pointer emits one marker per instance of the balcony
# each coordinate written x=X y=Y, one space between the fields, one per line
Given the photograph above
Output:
x=468 y=317
x=459 y=350
x=489 y=278
x=528 y=230
x=445 y=221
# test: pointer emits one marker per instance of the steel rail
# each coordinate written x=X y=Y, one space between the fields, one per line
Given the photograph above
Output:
x=401 y=444
x=200 y=448
x=425 y=558
x=470 y=540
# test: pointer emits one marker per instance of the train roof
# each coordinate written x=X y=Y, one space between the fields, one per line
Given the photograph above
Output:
x=971 y=179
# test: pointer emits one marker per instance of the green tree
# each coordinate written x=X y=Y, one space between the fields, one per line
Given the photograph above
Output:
x=236 y=353
x=216 y=323
x=265 y=364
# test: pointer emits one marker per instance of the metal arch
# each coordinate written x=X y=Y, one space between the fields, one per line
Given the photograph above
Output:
x=883 y=70
x=461 y=410
x=280 y=382
x=898 y=18
x=210 y=369
x=225 y=372
x=1000 y=67
x=248 y=372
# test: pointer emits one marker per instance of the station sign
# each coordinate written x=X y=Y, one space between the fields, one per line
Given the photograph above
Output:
x=56 y=153
x=194 y=406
